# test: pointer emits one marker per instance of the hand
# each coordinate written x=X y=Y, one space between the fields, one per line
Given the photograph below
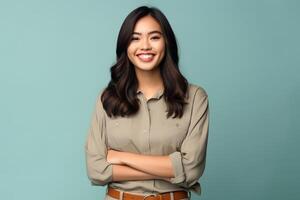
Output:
x=113 y=157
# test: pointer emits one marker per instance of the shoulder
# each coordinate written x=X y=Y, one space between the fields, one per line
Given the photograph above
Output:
x=99 y=104
x=197 y=90
x=100 y=92
x=198 y=98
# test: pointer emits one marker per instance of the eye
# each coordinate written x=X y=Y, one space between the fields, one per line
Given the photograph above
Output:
x=134 y=38
x=155 y=38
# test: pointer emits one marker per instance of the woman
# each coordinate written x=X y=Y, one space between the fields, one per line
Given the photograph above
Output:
x=149 y=130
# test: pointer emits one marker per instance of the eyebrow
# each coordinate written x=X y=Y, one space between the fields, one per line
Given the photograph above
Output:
x=149 y=33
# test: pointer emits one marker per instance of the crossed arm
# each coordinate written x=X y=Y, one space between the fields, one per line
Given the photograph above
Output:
x=130 y=166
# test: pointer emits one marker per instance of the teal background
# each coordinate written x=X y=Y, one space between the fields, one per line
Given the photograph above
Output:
x=55 y=56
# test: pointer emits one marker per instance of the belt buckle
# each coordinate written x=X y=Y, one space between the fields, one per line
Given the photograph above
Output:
x=152 y=195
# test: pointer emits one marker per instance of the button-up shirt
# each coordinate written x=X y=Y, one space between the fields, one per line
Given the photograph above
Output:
x=150 y=132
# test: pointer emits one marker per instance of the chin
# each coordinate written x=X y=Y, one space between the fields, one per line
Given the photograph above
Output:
x=145 y=67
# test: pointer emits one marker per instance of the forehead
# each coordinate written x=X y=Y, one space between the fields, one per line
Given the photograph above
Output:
x=146 y=24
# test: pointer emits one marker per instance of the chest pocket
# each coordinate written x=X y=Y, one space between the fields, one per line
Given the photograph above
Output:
x=119 y=133
x=175 y=130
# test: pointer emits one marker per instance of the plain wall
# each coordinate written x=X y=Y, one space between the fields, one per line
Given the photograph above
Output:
x=56 y=55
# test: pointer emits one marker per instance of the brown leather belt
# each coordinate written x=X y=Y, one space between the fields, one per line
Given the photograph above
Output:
x=162 y=196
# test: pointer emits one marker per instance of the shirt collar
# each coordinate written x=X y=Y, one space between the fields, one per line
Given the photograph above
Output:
x=158 y=94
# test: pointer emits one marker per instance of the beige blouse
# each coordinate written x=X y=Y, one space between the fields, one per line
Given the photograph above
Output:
x=149 y=132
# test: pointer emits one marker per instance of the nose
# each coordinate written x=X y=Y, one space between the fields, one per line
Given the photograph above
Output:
x=145 y=44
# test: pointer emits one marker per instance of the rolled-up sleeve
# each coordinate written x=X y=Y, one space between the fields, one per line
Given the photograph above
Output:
x=99 y=171
x=189 y=163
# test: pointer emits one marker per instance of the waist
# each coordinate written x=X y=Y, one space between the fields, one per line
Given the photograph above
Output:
x=120 y=194
x=146 y=186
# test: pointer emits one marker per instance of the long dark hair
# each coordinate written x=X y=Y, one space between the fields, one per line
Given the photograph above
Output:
x=119 y=98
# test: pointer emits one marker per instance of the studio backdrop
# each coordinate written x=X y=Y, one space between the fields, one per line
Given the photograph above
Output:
x=55 y=56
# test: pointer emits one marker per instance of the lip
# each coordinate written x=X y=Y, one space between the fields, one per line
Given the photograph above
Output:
x=146 y=53
x=150 y=59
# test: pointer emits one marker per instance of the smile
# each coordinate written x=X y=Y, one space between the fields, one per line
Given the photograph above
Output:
x=146 y=57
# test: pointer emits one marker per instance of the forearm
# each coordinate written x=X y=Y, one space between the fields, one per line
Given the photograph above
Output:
x=160 y=166
x=127 y=173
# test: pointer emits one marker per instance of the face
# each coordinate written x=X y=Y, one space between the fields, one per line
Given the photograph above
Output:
x=147 y=46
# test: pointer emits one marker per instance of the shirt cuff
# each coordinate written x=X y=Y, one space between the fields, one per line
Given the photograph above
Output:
x=106 y=176
x=179 y=175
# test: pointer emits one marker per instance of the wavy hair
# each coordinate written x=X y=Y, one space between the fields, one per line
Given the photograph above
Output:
x=119 y=98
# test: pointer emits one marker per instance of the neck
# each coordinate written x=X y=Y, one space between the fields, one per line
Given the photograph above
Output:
x=149 y=80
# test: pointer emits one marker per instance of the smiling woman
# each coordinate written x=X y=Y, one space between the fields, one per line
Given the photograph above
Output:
x=147 y=47
x=149 y=130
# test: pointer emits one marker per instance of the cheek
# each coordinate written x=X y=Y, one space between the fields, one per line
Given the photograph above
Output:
x=161 y=47
x=162 y=51
x=130 y=53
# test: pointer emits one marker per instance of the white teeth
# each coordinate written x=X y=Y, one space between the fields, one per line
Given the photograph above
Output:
x=146 y=55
